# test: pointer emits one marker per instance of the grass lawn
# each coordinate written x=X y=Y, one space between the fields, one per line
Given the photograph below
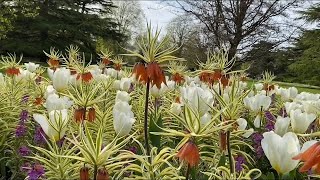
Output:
x=300 y=87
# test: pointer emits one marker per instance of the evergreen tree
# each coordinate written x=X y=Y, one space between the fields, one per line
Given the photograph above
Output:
x=37 y=25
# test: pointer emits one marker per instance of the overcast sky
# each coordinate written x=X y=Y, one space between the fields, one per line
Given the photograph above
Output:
x=158 y=13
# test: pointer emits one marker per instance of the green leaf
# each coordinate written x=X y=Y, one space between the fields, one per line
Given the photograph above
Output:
x=222 y=161
x=154 y=126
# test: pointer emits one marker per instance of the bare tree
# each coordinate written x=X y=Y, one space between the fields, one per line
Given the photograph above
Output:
x=234 y=22
x=129 y=17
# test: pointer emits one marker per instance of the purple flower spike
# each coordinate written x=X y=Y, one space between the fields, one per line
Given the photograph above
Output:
x=39 y=136
x=240 y=160
x=36 y=172
x=21 y=130
x=24 y=151
x=24 y=115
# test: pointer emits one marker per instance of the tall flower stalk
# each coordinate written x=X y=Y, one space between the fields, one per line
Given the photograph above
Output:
x=148 y=71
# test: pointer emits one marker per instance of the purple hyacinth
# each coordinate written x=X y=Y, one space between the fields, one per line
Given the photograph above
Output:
x=60 y=141
x=24 y=115
x=257 y=138
x=269 y=116
x=39 y=136
x=240 y=160
x=36 y=172
x=259 y=151
x=21 y=130
x=24 y=151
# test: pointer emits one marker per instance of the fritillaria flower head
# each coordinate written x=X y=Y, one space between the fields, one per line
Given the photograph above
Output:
x=153 y=53
x=189 y=153
x=178 y=71
x=105 y=57
x=11 y=64
x=54 y=58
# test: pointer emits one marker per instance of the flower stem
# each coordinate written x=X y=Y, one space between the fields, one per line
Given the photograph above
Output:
x=188 y=171
x=95 y=172
x=230 y=153
x=146 y=118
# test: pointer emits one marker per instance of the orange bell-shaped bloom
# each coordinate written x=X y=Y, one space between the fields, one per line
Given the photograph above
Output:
x=206 y=77
x=103 y=174
x=117 y=66
x=91 y=114
x=155 y=74
x=38 y=101
x=179 y=79
x=140 y=72
x=268 y=87
x=79 y=114
x=53 y=63
x=12 y=71
x=189 y=153
x=86 y=77
x=311 y=157
x=224 y=81
x=84 y=173
x=217 y=75
x=106 y=61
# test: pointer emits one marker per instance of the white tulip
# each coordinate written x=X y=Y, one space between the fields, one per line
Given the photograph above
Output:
x=301 y=121
x=54 y=102
x=176 y=108
x=248 y=133
x=155 y=92
x=25 y=75
x=257 y=103
x=292 y=106
x=200 y=100
x=242 y=124
x=31 y=66
x=122 y=96
x=258 y=86
x=125 y=84
x=56 y=125
x=287 y=94
x=61 y=79
x=171 y=85
x=311 y=106
x=307 y=145
x=50 y=73
x=205 y=119
x=308 y=96
x=49 y=90
x=95 y=70
x=123 y=118
x=257 y=121
x=280 y=150
x=101 y=78
x=281 y=126
x=111 y=72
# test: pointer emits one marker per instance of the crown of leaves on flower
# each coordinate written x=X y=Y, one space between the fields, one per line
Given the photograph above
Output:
x=268 y=77
x=177 y=67
x=71 y=55
x=105 y=54
x=54 y=57
x=10 y=61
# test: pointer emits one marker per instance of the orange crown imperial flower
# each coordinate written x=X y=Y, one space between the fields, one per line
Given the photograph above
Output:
x=12 y=71
x=103 y=174
x=179 y=79
x=311 y=157
x=91 y=115
x=189 y=153
x=151 y=72
x=106 y=61
x=79 y=114
x=53 y=63
x=84 y=173
x=86 y=77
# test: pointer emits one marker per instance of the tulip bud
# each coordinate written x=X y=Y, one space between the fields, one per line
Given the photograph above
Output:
x=79 y=114
x=84 y=173
x=91 y=114
x=103 y=174
x=189 y=153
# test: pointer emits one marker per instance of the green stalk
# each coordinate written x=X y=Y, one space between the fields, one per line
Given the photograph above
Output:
x=146 y=118
x=95 y=172
x=230 y=153
x=188 y=172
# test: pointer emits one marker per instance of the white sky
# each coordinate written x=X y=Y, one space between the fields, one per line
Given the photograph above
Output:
x=157 y=12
